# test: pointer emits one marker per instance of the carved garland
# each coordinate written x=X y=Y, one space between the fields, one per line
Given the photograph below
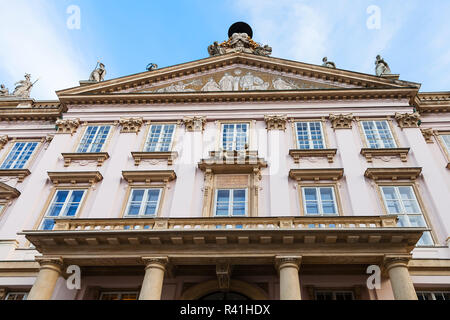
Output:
x=408 y=120
x=67 y=126
x=131 y=125
x=275 y=122
x=428 y=135
x=194 y=124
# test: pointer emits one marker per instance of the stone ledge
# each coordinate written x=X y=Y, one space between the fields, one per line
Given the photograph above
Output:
x=302 y=153
x=100 y=157
x=169 y=156
x=20 y=174
x=369 y=153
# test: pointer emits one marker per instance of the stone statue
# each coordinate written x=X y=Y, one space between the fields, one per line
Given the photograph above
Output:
x=381 y=67
x=151 y=66
x=251 y=82
x=99 y=73
x=239 y=42
x=3 y=91
x=227 y=82
x=280 y=84
x=211 y=85
x=23 y=87
x=328 y=64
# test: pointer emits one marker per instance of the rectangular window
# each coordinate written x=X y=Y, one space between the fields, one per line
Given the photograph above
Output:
x=159 y=138
x=231 y=202
x=126 y=295
x=334 y=295
x=319 y=201
x=16 y=296
x=19 y=155
x=446 y=139
x=94 y=138
x=433 y=295
x=235 y=136
x=65 y=203
x=309 y=135
x=378 y=134
x=402 y=201
x=143 y=202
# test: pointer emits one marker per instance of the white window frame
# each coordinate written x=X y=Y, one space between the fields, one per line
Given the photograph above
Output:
x=88 y=150
x=310 y=140
x=144 y=201
x=159 y=143
x=444 y=143
x=403 y=210
x=20 y=156
x=230 y=203
x=319 y=201
x=333 y=293
x=377 y=134
x=432 y=294
x=25 y=294
x=120 y=293
x=63 y=209
x=235 y=124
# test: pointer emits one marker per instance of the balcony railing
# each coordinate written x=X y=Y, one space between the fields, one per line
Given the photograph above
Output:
x=248 y=223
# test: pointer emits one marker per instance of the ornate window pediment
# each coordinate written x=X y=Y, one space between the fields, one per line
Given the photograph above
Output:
x=316 y=174
x=77 y=177
x=393 y=173
x=7 y=192
x=149 y=176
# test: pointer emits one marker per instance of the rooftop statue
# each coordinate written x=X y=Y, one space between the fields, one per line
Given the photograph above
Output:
x=23 y=87
x=239 y=40
x=99 y=73
x=3 y=91
x=328 y=64
x=152 y=66
x=381 y=67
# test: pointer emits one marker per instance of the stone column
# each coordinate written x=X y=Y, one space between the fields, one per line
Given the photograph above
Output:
x=154 y=278
x=289 y=280
x=402 y=285
x=48 y=275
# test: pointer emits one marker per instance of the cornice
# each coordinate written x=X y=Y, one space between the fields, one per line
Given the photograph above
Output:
x=149 y=176
x=75 y=177
x=7 y=192
x=432 y=102
x=393 y=173
x=20 y=174
x=232 y=162
x=316 y=174
x=242 y=96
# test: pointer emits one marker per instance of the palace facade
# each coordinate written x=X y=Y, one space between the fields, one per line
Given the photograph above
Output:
x=238 y=176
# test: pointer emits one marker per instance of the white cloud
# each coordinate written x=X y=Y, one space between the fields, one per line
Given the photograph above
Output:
x=34 y=39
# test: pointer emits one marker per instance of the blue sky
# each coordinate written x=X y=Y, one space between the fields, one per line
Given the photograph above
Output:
x=413 y=36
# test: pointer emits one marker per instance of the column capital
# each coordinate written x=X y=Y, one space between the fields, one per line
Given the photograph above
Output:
x=55 y=263
x=287 y=261
x=275 y=122
x=156 y=262
x=131 y=125
x=67 y=125
x=341 y=121
x=392 y=261
x=194 y=124
x=408 y=120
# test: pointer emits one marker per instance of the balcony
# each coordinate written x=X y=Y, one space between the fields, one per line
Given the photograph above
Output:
x=337 y=239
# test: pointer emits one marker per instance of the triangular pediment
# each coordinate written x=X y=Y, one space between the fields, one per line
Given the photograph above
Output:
x=237 y=72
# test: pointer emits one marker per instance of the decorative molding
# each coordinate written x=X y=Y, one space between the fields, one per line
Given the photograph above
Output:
x=370 y=153
x=393 y=173
x=432 y=102
x=98 y=157
x=131 y=125
x=139 y=156
x=287 y=261
x=341 y=121
x=155 y=262
x=194 y=124
x=312 y=153
x=316 y=174
x=20 y=174
x=233 y=162
x=67 y=126
x=275 y=122
x=3 y=141
x=390 y=261
x=149 y=176
x=428 y=134
x=407 y=120
x=223 y=272
x=7 y=192
x=75 y=177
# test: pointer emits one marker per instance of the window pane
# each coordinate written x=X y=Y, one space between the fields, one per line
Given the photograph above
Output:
x=19 y=155
x=310 y=194
x=58 y=203
x=136 y=198
x=152 y=201
x=328 y=208
x=222 y=202
x=239 y=201
x=48 y=224
x=446 y=139
x=74 y=203
x=326 y=194
x=312 y=207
